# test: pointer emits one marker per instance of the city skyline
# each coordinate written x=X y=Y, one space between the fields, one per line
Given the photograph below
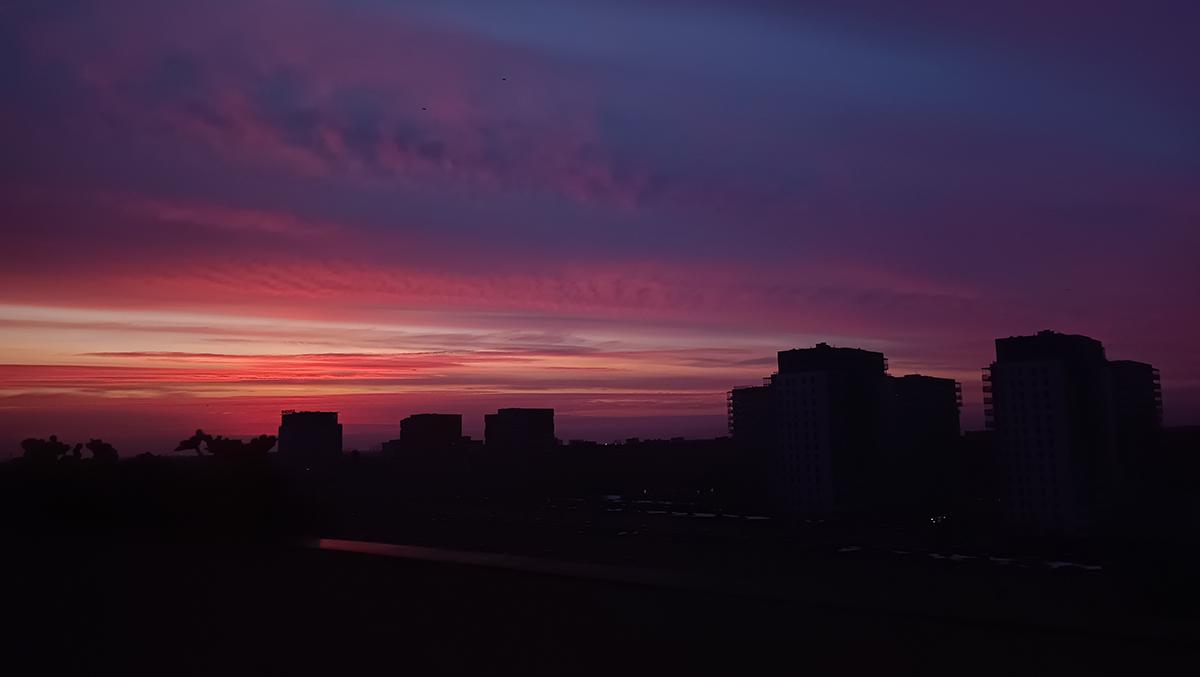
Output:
x=385 y=208
x=613 y=337
x=1131 y=379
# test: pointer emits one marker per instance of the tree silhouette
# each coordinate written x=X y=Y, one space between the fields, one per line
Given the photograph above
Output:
x=261 y=444
x=102 y=452
x=193 y=443
x=44 y=451
x=226 y=447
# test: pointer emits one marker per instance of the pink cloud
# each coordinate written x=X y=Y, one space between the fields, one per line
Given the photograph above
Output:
x=368 y=94
x=885 y=248
x=346 y=276
x=219 y=217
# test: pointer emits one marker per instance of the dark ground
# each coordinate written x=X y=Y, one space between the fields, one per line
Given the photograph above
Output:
x=198 y=567
x=278 y=610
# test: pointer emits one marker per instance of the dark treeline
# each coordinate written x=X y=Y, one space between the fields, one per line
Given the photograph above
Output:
x=231 y=490
x=238 y=491
x=85 y=525
x=238 y=486
x=51 y=450
x=226 y=446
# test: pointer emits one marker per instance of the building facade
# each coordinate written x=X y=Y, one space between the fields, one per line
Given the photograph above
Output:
x=1137 y=414
x=310 y=435
x=1049 y=399
x=520 y=429
x=753 y=432
x=924 y=434
x=829 y=413
x=842 y=436
x=431 y=431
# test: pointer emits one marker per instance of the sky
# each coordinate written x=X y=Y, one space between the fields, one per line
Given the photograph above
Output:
x=213 y=210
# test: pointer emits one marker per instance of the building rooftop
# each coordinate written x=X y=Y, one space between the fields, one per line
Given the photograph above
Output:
x=1049 y=345
x=824 y=357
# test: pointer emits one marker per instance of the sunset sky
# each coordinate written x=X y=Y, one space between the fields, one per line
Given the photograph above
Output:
x=213 y=210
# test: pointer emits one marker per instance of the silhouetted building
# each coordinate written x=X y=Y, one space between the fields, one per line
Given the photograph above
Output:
x=431 y=431
x=923 y=437
x=976 y=477
x=1183 y=440
x=752 y=429
x=520 y=429
x=842 y=437
x=927 y=408
x=1177 y=468
x=829 y=417
x=1049 y=399
x=1137 y=413
x=751 y=416
x=310 y=435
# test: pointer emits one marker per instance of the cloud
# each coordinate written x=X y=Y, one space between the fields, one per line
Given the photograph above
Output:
x=369 y=93
x=219 y=217
x=521 y=199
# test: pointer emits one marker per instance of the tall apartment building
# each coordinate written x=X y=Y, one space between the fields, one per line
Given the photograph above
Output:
x=829 y=413
x=923 y=442
x=310 y=435
x=1137 y=413
x=1050 y=400
x=843 y=436
x=431 y=432
x=520 y=429
x=752 y=432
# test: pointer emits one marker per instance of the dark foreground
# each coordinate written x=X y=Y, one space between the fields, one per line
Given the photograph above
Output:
x=200 y=567
x=291 y=610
